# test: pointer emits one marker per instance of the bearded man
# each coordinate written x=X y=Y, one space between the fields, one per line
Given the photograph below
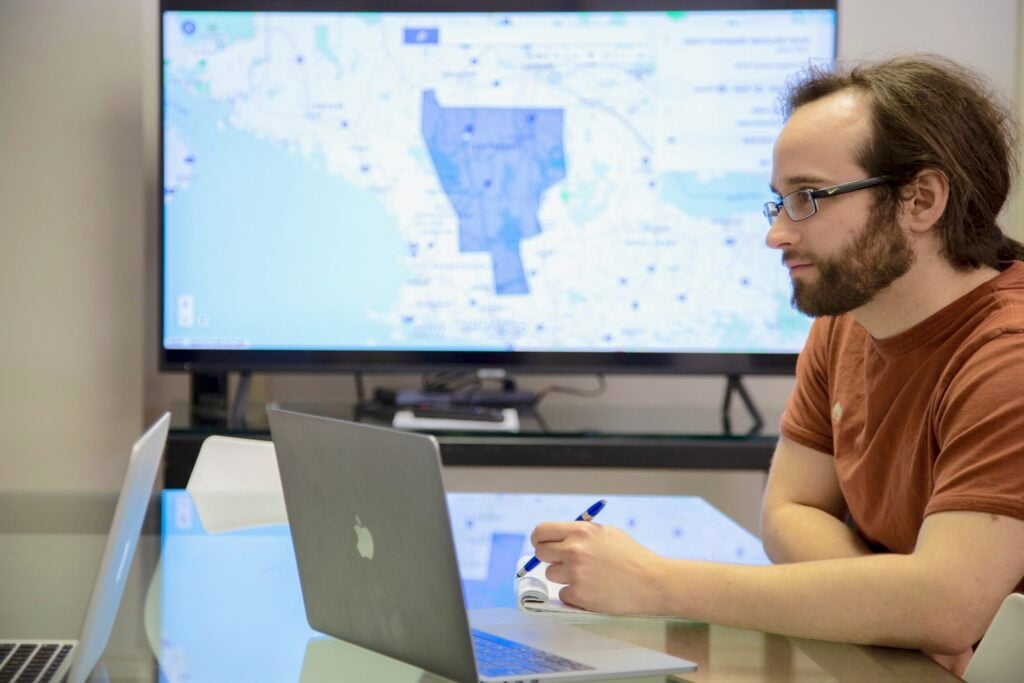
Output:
x=894 y=510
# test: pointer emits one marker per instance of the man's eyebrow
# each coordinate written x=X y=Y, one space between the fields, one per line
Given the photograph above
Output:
x=803 y=181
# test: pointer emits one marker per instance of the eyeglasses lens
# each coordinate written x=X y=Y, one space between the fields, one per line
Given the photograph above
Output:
x=799 y=205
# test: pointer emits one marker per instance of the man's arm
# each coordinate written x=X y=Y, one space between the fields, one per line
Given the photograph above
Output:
x=802 y=517
x=940 y=598
x=803 y=509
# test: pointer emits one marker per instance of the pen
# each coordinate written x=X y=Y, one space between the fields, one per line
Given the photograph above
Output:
x=584 y=516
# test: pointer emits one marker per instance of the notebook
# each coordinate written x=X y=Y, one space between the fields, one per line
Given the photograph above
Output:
x=22 y=661
x=535 y=592
x=378 y=569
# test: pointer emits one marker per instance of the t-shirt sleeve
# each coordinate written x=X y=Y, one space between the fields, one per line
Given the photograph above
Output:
x=806 y=419
x=980 y=428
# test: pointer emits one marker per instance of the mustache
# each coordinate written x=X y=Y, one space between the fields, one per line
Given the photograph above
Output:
x=793 y=255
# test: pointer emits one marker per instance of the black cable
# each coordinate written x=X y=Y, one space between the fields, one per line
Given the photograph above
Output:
x=539 y=419
x=602 y=386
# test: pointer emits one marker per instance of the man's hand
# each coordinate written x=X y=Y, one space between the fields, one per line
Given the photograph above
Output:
x=605 y=569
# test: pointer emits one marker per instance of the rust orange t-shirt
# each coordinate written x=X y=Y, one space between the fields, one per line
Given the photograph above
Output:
x=929 y=420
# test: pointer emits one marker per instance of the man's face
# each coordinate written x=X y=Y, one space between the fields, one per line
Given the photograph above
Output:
x=840 y=258
x=863 y=267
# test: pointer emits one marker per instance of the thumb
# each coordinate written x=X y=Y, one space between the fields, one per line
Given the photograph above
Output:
x=568 y=596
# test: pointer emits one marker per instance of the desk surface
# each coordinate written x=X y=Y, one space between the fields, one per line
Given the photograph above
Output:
x=204 y=607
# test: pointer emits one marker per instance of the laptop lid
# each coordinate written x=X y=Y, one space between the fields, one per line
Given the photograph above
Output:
x=122 y=539
x=377 y=562
x=372 y=537
x=999 y=657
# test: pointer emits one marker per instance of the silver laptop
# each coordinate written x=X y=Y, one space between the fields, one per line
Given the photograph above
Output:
x=378 y=568
x=24 y=661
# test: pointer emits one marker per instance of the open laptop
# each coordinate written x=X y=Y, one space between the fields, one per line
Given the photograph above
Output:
x=377 y=563
x=24 y=661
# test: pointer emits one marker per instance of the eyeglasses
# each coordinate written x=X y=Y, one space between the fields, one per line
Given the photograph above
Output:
x=803 y=204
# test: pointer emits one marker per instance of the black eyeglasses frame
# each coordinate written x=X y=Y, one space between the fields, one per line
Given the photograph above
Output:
x=773 y=208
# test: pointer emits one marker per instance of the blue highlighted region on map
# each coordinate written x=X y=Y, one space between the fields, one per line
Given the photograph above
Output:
x=494 y=165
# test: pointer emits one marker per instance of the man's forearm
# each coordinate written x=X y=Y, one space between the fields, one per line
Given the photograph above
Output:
x=799 y=533
x=879 y=600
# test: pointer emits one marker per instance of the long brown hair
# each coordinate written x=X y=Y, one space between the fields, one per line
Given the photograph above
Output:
x=929 y=112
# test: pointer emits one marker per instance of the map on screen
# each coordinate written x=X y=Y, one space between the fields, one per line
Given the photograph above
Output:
x=477 y=181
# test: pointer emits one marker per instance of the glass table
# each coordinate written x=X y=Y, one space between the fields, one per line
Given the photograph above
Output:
x=225 y=605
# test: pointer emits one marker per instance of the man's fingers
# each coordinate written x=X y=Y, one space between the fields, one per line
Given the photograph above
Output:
x=548 y=532
x=551 y=552
x=568 y=596
x=557 y=572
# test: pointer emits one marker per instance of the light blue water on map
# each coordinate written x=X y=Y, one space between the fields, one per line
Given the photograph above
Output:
x=242 y=213
x=719 y=197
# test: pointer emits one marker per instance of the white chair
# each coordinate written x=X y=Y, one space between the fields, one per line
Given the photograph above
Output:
x=235 y=485
x=1000 y=655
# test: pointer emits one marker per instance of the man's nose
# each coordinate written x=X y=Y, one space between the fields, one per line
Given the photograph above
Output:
x=782 y=233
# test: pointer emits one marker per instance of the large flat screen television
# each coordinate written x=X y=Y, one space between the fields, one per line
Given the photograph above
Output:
x=545 y=186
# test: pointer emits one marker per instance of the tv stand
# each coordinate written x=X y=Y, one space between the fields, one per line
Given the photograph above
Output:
x=241 y=401
x=208 y=398
x=734 y=385
x=209 y=405
x=578 y=447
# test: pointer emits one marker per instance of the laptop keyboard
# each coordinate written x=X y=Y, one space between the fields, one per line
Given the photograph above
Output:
x=497 y=656
x=31 y=662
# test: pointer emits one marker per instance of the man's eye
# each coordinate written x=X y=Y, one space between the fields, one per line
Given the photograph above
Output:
x=799 y=199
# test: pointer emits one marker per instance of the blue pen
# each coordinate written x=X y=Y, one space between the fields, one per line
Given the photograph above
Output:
x=586 y=516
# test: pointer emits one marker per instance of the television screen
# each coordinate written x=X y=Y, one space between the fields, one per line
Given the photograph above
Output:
x=421 y=187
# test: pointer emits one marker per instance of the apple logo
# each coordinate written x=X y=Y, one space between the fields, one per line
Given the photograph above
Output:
x=364 y=540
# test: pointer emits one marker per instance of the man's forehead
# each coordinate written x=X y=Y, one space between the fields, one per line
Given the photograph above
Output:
x=821 y=140
x=847 y=107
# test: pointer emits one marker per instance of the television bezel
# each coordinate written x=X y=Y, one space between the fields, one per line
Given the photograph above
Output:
x=413 y=361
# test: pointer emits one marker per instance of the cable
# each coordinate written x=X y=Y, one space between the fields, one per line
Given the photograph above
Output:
x=602 y=386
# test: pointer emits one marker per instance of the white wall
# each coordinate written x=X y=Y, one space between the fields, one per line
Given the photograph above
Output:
x=71 y=235
x=78 y=107
x=982 y=34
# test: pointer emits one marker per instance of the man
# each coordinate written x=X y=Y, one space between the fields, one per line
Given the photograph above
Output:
x=894 y=509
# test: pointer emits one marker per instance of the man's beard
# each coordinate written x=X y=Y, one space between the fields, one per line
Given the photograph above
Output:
x=862 y=269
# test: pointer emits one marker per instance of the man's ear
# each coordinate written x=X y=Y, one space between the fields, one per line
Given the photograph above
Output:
x=923 y=200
